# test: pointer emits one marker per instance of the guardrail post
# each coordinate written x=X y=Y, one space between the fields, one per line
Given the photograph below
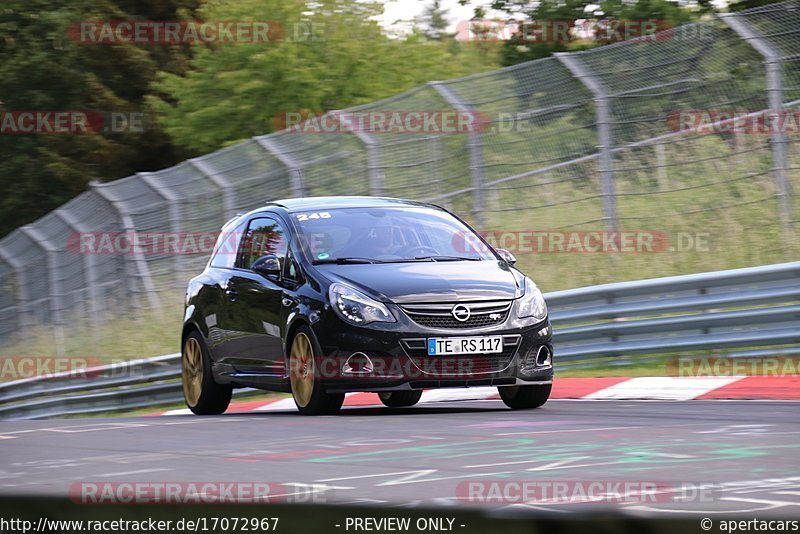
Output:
x=773 y=63
x=174 y=213
x=225 y=185
x=295 y=169
x=56 y=293
x=89 y=263
x=136 y=257
x=475 y=149
x=605 y=135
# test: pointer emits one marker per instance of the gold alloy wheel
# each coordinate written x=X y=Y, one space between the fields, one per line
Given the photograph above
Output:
x=192 y=374
x=301 y=369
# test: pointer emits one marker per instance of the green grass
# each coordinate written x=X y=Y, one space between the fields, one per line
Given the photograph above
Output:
x=726 y=204
x=152 y=333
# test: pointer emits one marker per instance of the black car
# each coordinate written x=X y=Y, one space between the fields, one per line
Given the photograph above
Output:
x=326 y=295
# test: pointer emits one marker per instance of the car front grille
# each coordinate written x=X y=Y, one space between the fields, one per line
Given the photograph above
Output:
x=461 y=365
x=440 y=316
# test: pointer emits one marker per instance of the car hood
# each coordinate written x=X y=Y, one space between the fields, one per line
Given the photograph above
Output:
x=451 y=281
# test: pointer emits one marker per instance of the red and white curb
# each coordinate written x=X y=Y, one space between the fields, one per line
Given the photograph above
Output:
x=607 y=388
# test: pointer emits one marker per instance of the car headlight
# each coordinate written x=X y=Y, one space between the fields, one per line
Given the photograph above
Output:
x=357 y=308
x=532 y=302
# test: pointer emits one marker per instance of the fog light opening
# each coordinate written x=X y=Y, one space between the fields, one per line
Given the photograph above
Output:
x=357 y=363
x=543 y=356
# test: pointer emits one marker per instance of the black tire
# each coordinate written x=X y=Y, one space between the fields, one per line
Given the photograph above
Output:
x=319 y=402
x=213 y=398
x=400 y=399
x=524 y=397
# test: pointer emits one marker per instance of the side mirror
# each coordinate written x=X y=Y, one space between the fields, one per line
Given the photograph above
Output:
x=268 y=266
x=507 y=256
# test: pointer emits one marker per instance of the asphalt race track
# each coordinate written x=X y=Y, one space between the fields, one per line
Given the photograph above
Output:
x=705 y=456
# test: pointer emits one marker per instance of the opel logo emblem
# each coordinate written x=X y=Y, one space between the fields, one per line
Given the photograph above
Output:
x=461 y=312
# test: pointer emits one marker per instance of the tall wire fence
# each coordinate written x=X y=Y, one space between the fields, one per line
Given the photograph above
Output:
x=604 y=140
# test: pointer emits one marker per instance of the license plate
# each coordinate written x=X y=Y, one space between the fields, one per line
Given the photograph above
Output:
x=443 y=346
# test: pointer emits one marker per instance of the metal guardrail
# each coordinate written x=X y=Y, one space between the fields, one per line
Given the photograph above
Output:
x=751 y=308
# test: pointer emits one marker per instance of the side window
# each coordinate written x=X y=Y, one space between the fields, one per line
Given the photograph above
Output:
x=263 y=236
x=224 y=255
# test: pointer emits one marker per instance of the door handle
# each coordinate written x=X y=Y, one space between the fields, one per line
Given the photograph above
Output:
x=231 y=292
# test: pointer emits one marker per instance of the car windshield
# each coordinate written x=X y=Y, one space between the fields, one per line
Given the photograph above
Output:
x=387 y=235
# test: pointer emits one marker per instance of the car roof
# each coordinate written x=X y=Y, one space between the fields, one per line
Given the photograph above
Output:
x=313 y=203
x=292 y=205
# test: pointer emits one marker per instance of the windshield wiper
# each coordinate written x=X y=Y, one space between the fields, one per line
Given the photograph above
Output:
x=343 y=261
x=446 y=258
x=358 y=260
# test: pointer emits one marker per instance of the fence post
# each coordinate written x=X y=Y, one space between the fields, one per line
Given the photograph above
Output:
x=373 y=154
x=136 y=256
x=89 y=259
x=174 y=213
x=605 y=135
x=773 y=63
x=295 y=169
x=25 y=319
x=225 y=185
x=475 y=149
x=56 y=293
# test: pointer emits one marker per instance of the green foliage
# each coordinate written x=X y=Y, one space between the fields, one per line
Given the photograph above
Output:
x=663 y=10
x=521 y=47
x=741 y=5
x=42 y=69
x=236 y=91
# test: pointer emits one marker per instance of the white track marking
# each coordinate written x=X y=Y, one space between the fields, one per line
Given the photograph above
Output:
x=662 y=388
x=126 y=473
x=478 y=466
x=283 y=404
x=445 y=395
x=180 y=411
x=367 y=476
x=79 y=429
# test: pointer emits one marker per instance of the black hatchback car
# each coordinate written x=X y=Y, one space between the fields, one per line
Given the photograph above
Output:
x=326 y=295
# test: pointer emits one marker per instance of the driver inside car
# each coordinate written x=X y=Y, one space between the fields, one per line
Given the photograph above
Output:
x=378 y=242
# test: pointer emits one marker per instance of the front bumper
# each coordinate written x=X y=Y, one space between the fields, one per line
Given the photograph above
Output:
x=393 y=356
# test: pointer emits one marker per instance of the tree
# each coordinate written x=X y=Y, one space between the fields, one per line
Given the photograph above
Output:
x=527 y=45
x=333 y=56
x=741 y=5
x=434 y=21
x=42 y=69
